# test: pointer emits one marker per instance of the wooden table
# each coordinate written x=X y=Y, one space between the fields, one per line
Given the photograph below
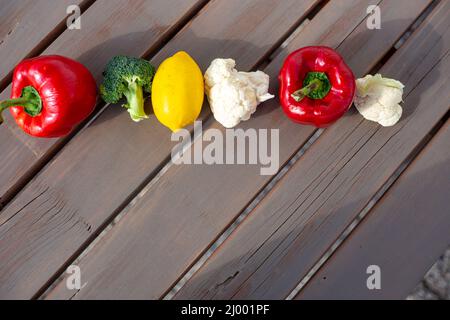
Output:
x=109 y=200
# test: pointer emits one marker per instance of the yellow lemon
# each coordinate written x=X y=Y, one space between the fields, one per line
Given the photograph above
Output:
x=178 y=91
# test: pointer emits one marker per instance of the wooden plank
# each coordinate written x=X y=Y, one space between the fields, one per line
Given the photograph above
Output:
x=289 y=231
x=27 y=26
x=108 y=28
x=403 y=235
x=183 y=227
x=113 y=156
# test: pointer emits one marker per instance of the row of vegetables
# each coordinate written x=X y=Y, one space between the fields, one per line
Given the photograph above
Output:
x=52 y=94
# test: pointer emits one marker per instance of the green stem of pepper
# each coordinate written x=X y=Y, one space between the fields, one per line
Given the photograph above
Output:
x=315 y=86
x=29 y=100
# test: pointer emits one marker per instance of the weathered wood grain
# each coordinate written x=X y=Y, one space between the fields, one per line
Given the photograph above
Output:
x=99 y=169
x=27 y=26
x=290 y=230
x=404 y=234
x=185 y=210
x=108 y=28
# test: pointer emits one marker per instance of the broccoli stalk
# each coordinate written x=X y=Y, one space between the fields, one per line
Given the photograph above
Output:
x=129 y=77
x=135 y=99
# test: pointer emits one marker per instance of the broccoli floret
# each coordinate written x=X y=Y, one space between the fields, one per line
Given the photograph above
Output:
x=129 y=77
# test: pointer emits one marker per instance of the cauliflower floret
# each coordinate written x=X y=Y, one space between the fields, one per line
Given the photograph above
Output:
x=218 y=70
x=260 y=82
x=378 y=99
x=234 y=96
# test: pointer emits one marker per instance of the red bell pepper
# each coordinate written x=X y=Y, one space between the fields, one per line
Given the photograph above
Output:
x=50 y=95
x=316 y=86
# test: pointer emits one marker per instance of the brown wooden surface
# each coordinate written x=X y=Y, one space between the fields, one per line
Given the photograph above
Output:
x=157 y=223
x=20 y=38
x=108 y=28
x=112 y=157
x=419 y=200
x=290 y=230
x=202 y=209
